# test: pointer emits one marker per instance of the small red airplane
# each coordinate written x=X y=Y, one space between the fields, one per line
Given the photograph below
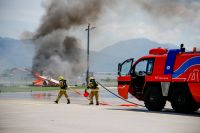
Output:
x=44 y=81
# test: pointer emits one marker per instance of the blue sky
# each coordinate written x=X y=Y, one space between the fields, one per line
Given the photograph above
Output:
x=17 y=16
x=123 y=20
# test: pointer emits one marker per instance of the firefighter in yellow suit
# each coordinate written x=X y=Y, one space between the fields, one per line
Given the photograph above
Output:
x=63 y=90
x=94 y=90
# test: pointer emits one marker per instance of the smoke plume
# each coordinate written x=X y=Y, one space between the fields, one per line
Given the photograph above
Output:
x=177 y=11
x=58 y=53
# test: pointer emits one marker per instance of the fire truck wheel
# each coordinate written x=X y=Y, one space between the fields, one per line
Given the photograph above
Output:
x=153 y=99
x=182 y=101
x=195 y=108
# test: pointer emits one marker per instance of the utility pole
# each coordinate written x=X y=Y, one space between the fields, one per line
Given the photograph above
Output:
x=88 y=52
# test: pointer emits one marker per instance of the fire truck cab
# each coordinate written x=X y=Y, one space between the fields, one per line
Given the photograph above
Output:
x=172 y=75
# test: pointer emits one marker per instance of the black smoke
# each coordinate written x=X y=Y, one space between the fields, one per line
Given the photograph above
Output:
x=57 y=52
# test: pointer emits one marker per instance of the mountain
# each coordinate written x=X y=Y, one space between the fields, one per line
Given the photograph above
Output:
x=17 y=72
x=133 y=48
x=15 y=53
x=100 y=62
x=108 y=58
x=19 y=53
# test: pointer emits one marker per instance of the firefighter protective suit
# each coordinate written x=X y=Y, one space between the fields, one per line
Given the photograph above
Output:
x=63 y=90
x=93 y=86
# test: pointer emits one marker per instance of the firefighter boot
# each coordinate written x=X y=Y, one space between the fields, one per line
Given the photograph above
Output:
x=90 y=103
x=68 y=101
x=56 y=102
x=97 y=103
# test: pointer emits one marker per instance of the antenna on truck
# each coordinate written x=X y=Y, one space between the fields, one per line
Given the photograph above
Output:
x=182 y=48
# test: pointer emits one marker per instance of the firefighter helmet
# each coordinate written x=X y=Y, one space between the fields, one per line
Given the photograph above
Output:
x=91 y=79
x=61 y=78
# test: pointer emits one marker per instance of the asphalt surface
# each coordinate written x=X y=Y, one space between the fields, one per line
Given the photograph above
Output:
x=36 y=113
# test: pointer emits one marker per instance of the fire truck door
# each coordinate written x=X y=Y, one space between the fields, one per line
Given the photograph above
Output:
x=124 y=79
x=139 y=71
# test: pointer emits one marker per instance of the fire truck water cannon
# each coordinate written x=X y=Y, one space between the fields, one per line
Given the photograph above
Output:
x=163 y=75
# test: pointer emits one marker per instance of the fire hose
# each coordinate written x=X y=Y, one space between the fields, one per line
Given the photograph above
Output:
x=112 y=94
x=119 y=96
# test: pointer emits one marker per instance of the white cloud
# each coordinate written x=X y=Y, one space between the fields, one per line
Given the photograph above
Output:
x=120 y=21
x=127 y=21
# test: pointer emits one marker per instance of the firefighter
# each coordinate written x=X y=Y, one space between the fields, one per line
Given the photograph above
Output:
x=94 y=90
x=63 y=90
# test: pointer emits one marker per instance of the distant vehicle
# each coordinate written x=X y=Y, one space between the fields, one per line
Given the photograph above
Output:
x=44 y=81
x=162 y=76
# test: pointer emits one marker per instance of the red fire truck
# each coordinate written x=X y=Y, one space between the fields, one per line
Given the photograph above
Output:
x=172 y=75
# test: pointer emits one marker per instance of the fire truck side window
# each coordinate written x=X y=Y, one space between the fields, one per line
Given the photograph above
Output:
x=143 y=67
x=150 y=66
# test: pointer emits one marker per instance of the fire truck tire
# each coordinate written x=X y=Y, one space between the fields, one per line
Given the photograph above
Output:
x=195 y=108
x=153 y=99
x=182 y=101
